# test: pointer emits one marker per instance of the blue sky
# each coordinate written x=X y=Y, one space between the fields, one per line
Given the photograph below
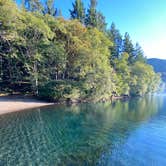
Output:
x=144 y=20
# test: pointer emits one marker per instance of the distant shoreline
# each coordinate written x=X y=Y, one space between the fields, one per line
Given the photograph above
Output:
x=9 y=104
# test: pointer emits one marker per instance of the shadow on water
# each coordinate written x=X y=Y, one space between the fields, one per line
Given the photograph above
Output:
x=84 y=134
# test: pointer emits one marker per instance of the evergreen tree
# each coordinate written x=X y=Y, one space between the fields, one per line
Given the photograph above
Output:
x=62 y=59
x=91 y=17
x=138 y=53
x=78 y=11
x=116 y=38
x=101 y=24
x=95 y=18
x=33 y=5
x=128 y=47
x=50 y=8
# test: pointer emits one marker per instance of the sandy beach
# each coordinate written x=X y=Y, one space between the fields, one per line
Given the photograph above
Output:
x=17 y=103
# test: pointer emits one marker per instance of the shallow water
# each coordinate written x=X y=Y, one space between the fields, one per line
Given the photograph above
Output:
x=131 y=133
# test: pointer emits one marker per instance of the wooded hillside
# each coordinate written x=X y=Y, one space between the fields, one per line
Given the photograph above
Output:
x=43 y=54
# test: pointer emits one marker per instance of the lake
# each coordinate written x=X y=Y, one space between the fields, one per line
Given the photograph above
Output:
x=124 y=133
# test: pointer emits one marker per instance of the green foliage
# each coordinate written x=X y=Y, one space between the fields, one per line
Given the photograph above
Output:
x=60 y=91
x=78 y=11
x=123 y=74
x=33 y=5
x=50 y=8
x=98 y=79
x=95 y=18
x=60 y=59
x=139 y=54
x=128 y=47
x=91 y=18
x=116 y=38
x=144 y=79
x=159 y=66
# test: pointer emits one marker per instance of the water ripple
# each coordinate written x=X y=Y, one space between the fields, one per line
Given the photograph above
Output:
x=125 y=133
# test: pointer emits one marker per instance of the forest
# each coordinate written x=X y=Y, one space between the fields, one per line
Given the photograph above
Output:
x=58 y=59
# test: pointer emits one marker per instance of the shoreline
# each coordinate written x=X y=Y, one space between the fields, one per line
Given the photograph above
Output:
x=9 y=104
x=16 y=103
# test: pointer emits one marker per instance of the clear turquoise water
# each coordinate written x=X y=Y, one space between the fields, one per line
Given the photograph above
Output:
x=131 y=133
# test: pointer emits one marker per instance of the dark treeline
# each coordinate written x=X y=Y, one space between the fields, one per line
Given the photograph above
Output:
x=43 y=54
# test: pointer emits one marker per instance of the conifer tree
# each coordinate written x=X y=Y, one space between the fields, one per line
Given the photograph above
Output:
x=91 y=17
x=101 y=23
x=50 y=8
x=138 y=53
x=33 y=5
x=116 y=38
x=128 y=47
x=61 y=60
x=95 y=18
x=78 y=11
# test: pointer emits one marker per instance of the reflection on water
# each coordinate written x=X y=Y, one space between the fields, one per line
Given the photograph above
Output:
x=122 y=133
